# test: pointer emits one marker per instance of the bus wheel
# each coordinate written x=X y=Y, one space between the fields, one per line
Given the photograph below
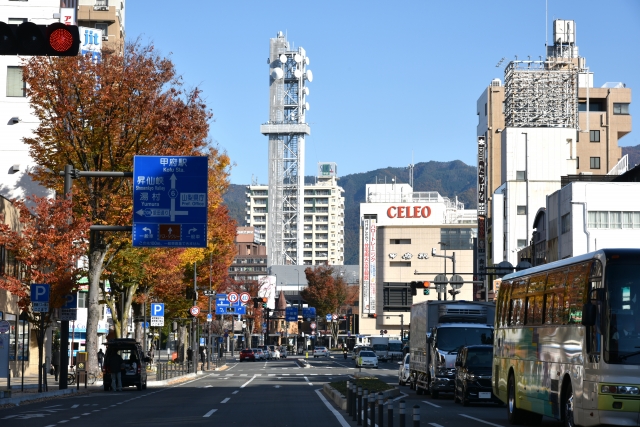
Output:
x=567 y=407
x=515 y=414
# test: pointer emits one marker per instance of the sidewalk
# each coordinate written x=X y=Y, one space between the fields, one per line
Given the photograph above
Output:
x=28 y=392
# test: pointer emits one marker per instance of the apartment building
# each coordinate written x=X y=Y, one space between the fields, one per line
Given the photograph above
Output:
x=105 y=15
x=323 y=217
x=251 y=259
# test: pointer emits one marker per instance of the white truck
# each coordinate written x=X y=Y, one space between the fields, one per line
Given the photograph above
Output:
x=438 y=330
x=380 y=347
x=395 y=349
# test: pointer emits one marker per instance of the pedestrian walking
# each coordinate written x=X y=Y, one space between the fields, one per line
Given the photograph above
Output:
x=116 y=365
x=203 y=356
x=344 y=352
x=55 y=361
x=100 y=358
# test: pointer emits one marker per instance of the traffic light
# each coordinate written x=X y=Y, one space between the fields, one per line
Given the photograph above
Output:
x=264 y=302
x=29 y=38
x=419 y=285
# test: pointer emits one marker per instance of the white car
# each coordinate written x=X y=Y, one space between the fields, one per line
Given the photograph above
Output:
x=367 y=358
x=403 y=371
x=320 y=351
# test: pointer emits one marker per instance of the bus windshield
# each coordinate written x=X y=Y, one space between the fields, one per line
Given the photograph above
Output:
x=623 y=297
x=395 y=346
x=451 y=338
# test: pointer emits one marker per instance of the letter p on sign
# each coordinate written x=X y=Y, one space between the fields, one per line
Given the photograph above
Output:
x=157 y=309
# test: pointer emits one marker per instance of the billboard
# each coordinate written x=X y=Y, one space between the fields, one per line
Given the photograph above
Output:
x=372 y=267
x=91 y=42
x=366 y=246
x=327 y=169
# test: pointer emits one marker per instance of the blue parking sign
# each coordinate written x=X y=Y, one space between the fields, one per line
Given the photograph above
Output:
x=157 y=309
x=40 y=298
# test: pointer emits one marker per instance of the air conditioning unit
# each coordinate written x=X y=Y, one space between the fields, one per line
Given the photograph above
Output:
x=100 y=7
x=106 y=38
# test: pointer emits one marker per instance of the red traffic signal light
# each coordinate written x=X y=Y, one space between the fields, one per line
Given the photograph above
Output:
x=28 y=38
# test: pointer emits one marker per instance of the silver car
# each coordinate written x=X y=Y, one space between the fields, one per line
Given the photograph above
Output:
x=259 y=354
x=403 y=371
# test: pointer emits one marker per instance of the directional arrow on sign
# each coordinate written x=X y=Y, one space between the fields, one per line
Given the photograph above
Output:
x=173 y=194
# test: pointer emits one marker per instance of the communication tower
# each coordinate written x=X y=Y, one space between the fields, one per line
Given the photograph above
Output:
x=286 y=130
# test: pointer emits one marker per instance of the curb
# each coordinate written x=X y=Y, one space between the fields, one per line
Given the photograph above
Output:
x=341 y=400
x=35 y=396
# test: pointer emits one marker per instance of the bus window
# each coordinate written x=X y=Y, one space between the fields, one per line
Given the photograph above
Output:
x=534 y=310
x=576 y=285
x=556 y=279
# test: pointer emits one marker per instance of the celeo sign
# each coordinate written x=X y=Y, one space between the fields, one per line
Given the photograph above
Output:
x=409 y=212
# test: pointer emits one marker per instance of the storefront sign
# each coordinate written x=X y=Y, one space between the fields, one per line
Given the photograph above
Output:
x=409 y=212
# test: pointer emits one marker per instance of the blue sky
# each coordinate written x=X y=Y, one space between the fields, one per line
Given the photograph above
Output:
x=392 y=80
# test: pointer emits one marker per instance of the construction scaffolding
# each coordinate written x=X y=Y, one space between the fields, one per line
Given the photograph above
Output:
x=541 y=94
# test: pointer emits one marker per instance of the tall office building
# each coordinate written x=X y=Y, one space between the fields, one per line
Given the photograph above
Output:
x=286 y=130
x=547 y=121
x=323 y=217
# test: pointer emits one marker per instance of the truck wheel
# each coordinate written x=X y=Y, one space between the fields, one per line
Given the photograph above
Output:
x=514 y=414
x=567 y=407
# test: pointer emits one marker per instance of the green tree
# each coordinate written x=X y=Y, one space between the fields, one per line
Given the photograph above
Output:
x=326 y=291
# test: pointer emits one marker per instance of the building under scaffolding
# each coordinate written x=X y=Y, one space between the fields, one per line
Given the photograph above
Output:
x=545 y=93
x=286 y=130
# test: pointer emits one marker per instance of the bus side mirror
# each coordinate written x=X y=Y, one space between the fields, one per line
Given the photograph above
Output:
x=589 y=314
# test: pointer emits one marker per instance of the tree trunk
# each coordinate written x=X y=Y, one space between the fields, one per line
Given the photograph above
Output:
x=181 y=348
x=96 y=258
x=138 y=322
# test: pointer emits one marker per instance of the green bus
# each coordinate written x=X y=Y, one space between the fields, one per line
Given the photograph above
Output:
x=566 y=344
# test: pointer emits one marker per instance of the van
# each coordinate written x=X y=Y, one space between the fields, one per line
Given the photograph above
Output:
x=135 y=361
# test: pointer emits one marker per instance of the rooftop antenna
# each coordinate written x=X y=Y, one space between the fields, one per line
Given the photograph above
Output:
x=546 y=23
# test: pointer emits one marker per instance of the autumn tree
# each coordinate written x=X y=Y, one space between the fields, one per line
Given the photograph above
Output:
x=327 y=291
x=96 y=116
x=47 y=247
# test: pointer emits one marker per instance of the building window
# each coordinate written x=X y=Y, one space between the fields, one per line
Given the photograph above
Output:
x=485 y=108
x=396 y=297
x=620 y=108
x=83 y=299
x=400 y=241
x=522 y=210
x=566 y=223
x=594 y=162
x=400 y=264
x=594 y=135
x=15 y=85
x=522 y=243
x=577 y=162
x=105 y=29
x=615 y=219
x=521 y=175
x=456 y=239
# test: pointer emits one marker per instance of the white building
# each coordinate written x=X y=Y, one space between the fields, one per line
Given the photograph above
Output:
x=533 y=162
x=586 y=216
x=399 y=229
x=323 y=211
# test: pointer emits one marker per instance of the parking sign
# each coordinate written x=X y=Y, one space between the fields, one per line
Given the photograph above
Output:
x=157 y=309
x=40 y=298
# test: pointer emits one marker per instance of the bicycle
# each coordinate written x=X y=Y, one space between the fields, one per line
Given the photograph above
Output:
x=71 y=377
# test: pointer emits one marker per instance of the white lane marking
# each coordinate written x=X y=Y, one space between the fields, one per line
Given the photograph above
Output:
x=207 y=386
x=74 y=418
x=74 y=406
x=230 y=375
x=225 y=400
x=247 y=383
x=337 y=414
x=432 y=404
x=235 y=392
x=87 y=413
x=244 y=375
x=480 y=421
x=63 y=421
x=208 y=414
x=307 y=380
x=402 y=395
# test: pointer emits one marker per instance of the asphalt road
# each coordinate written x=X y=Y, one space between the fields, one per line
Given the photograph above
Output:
x=273 y=393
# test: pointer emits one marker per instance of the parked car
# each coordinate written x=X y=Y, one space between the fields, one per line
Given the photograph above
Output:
x=135 y=372
x=320 y=351
x=259 y=354
x=473 y=375
x=358 y=349
x=266 y=351
x=403 y=370
x=247 y=354
x=367 y=358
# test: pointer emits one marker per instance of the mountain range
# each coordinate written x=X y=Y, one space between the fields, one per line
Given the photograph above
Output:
x=450 y=179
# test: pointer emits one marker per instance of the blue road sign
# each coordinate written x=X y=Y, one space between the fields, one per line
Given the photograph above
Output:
x=224 y=306
x=328 y=317
x=291 y=314
x=71 y=301
x=157 y=309
x=309 y=313
x=170 y=201
x=201 y=340
x=40 y=298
